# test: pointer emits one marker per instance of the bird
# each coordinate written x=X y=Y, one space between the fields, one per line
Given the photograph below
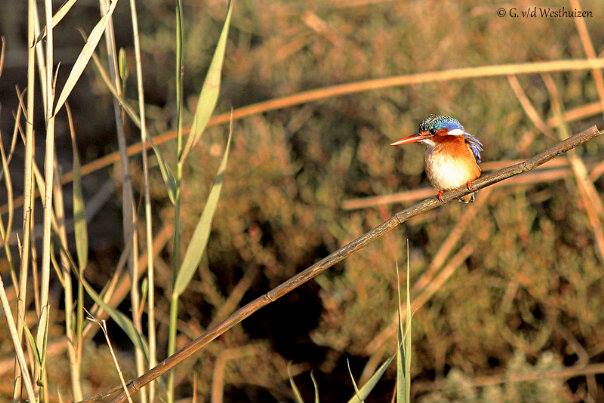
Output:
x=452 y=154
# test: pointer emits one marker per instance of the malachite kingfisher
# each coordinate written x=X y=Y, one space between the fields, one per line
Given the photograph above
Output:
x=452 y=154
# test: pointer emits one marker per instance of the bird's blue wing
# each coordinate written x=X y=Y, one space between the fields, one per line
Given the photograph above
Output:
x=475 y=145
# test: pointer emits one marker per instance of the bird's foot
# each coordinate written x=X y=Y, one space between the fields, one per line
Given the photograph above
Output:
x=470 y=185
x=439 y=196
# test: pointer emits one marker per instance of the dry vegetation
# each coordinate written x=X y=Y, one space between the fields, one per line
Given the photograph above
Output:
x=507 y=292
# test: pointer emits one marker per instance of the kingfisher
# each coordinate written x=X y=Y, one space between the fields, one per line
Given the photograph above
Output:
x=452 y=154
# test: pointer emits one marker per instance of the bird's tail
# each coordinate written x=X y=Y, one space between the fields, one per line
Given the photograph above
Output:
x=469 y=198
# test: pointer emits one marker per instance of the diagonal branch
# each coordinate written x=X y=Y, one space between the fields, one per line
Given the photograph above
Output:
x=197 y=345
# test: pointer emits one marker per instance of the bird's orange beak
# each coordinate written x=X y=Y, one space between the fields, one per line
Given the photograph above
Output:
x=414 y=138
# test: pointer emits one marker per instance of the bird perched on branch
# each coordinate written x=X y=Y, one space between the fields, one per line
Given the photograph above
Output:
x=452 y=155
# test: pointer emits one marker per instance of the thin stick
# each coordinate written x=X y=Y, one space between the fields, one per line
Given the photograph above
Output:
x=197 y=345
x=148 y=217
x=17 y=344
x=103 y=325
x=5 y=233
x=68 y=293
x=128 y=210
x=22 y=284
x=49 y=151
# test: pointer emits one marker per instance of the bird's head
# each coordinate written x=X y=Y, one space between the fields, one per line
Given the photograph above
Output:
x=431 y=128
x=434 y=127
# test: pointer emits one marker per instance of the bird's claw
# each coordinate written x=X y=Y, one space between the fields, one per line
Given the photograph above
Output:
x=439 y=196
x=470 y=185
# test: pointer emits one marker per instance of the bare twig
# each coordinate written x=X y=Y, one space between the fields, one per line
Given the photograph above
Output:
x=103 y=325
x=197 y=345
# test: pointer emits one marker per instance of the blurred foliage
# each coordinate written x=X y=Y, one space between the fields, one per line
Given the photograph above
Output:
x=530 y=295
x=458 y=388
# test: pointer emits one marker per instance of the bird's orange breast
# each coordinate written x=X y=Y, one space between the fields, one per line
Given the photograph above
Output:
x=450 y=163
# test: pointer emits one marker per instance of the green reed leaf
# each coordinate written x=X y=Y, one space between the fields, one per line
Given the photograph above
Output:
x=198 y=242
x=364 y=391
x=208 y=96
x=79 y=210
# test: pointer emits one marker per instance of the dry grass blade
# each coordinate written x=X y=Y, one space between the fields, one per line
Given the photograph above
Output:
x=28 y=187
x=342 y=253
x=401 y=375
x=2 y=44
x=22 y=373
x=103 y=327
x=49 y=163
x=7 y=232
x=16 y=343
x=114 y=91
x=119 y=318
x=59 y=15
x=84 y=57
